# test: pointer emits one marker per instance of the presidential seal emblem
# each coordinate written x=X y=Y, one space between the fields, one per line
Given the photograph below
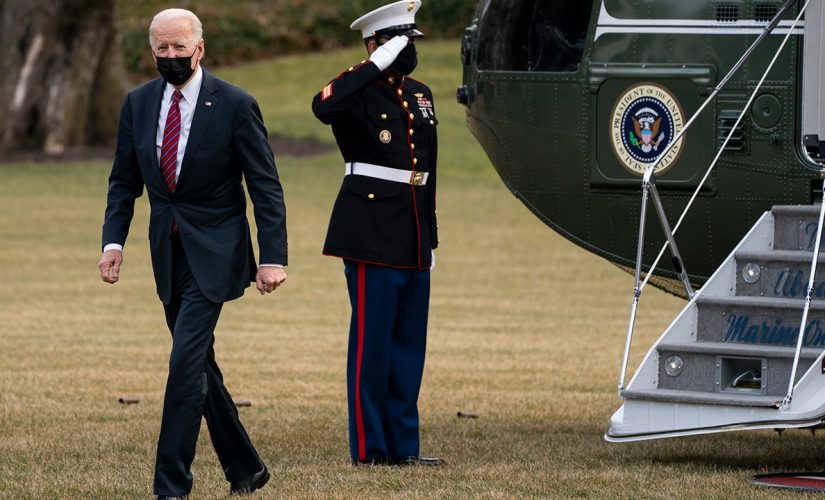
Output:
x=645 y=120
x=385 y=136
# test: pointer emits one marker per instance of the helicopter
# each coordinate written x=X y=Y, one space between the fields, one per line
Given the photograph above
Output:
x=711 y=110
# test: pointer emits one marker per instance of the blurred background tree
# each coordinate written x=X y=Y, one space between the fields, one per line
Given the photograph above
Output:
x=65 y=65
x=61 y=72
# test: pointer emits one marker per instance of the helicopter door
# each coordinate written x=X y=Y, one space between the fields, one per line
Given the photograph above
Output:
x=647 y=79
x=640 y=111
x=813 y=95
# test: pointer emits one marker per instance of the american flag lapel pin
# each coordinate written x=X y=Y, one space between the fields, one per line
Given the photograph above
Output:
x=208 y=104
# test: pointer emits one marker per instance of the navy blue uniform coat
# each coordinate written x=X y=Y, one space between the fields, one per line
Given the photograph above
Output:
x=227 y=142
x=374 y=220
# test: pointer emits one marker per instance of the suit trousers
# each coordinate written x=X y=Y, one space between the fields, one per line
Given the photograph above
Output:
x=195 y=389
x=385 y=361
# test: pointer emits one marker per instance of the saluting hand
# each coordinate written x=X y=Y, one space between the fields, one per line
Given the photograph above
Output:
x=109 y=266
x=384 y=55
x=269 y=278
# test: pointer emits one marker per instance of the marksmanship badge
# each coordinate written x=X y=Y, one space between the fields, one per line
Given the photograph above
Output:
x=645 y=120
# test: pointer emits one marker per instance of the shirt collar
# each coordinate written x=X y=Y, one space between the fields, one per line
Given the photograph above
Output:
x=191 y=90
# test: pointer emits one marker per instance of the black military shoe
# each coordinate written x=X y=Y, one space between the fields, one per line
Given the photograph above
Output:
x=416 y=460
x=249 y=484
x=374 y=461
x=166 y=497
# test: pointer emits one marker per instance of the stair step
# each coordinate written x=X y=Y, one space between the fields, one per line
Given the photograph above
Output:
x=795 y=210
x=729 y=349
x=710 y=367
x=708 y=398
x=795 y=226
x=769 y=321
x=778 y=273
x=761 y=302
x=802 y=256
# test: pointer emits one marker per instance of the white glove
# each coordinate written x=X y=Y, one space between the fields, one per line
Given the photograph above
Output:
x=384 y=55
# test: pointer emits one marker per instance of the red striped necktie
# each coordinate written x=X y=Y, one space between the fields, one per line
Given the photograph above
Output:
x=169 y=149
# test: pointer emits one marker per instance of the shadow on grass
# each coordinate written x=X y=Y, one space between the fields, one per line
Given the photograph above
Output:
x=582 y=442
x=792 y=450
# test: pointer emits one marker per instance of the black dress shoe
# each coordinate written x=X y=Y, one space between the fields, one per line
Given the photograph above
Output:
x=374 y=461
x=415 y=460
x=166 y=497
x=249 y=484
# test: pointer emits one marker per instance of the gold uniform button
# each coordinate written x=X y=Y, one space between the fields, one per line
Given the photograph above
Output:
x=406 y=104
x=351 y=68
x=383 y=116
x=415 y=161
x=432 y=122
x=412 y=146
x=412 y=132
x=364 y=61
x=400 y=92
x=371 y=196
x=391 y=80
x=412 y=116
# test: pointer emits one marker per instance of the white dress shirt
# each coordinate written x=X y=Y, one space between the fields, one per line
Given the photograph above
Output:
x=190 y=92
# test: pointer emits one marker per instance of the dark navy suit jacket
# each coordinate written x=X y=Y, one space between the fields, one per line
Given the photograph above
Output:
x=227 y=143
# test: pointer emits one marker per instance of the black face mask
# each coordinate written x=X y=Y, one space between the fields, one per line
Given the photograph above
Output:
x=406 y=61
x=175 y=70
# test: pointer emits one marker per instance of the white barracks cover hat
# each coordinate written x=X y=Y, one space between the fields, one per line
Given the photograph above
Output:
x=397 y=18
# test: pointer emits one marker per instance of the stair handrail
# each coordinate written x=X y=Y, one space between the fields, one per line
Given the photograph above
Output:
x=650 y=171
x=786 y=403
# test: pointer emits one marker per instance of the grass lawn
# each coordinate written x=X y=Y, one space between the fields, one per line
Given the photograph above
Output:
x=526 y=330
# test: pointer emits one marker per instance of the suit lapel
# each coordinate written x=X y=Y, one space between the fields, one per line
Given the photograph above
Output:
x=150 y=125
x=207 y=102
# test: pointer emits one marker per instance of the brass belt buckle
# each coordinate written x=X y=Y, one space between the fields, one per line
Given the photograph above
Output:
x=417 y=178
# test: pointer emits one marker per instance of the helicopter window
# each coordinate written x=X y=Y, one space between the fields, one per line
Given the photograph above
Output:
x=727 y=12
x=533 y=35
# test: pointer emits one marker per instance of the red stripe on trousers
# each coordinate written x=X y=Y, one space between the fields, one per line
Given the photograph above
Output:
x=359 y=417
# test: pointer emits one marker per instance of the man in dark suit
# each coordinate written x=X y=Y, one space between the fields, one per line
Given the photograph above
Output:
x=383 y=226
x=190 y=138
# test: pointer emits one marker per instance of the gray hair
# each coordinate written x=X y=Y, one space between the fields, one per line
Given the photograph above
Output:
x=165 y=15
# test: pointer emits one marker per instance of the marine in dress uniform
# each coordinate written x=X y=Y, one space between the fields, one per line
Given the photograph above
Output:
x=383 y=225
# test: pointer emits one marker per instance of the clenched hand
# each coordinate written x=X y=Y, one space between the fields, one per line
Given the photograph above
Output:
x=109 y=266
x=269 y=278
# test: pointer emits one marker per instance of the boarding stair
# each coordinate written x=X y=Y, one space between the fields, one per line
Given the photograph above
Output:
x=725 y=363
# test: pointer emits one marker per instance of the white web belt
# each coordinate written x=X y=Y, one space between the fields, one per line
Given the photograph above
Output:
x=386 y=173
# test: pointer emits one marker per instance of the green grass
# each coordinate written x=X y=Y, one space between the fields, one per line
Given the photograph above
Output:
x=526 y=330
